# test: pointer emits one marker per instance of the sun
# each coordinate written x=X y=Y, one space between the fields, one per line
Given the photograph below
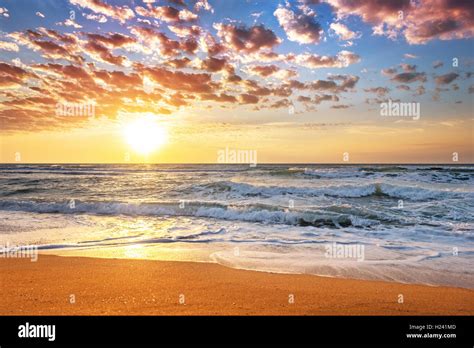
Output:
x=144 y=135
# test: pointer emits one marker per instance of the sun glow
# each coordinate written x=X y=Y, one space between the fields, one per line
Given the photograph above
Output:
x=144 y=135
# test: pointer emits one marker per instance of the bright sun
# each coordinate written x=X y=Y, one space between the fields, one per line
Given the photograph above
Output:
x=144 y=135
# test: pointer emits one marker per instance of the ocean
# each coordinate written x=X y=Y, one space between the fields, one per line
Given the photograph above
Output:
x=402 y=223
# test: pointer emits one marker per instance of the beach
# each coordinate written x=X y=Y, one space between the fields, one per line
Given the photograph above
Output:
x=237 y=240
x=56 y=285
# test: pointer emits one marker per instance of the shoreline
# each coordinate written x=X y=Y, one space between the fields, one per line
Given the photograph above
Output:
x=71 y=285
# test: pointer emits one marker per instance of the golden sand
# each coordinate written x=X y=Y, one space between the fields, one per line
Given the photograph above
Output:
x=91 y=286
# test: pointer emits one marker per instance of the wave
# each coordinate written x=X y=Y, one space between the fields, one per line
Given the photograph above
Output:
x=428 y=174
x=411 y=193
x=323 y=173
x=267 y=214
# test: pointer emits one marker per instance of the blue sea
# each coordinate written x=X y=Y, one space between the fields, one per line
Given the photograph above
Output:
x=402 y=223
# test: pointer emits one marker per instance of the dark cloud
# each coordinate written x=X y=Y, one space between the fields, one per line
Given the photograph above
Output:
x=325 y=97
x=177 y=80
x=214 y=64
x=446 y=78
x=409 y=77
x=112 y=40
x=166 y=13
x=437 y=64
x=13 y=76
x=403 y=87
x=246 y=39
x=248 y=99
x=380 y=91
x=104 y=54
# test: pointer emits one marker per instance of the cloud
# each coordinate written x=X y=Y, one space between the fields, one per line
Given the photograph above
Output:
x=379 y=91
x=179 y=63
x=209 y=45
x=248 y=99
x=183 y=31
x=112 y=40
x=120 y=13
x=322 y=85
x=203 y=5
x=4 y=12
x=97 y=18
x=118 y=78
x=246 y=39
x=347 y=81
x=213 y=64
x=167 y=13
x=408 y=67
x=440 y=19
x=9 y=46
x=313 y=61
x=281 y=103
x=318 y=99
x=177 y=80
x=271 y=71
x=420 y=90
x=418 y=23
x=325 y=97
x=285 y=74
x=69 y=71
x=409 y=77
x=303 y=99
x=102 y=53
x=343 y=31
x=70 y=23
x=437 y=64
x=300 y=28
x=222 y=98
x=389 y=71
x=187 y=63
x=403 y=87
x=375 y=12
x=12 y=76
x=42 y=41
x=340 y=106
x=446 y=78
x=167 y=46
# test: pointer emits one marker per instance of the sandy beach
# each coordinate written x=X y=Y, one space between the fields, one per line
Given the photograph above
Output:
x=90 y=286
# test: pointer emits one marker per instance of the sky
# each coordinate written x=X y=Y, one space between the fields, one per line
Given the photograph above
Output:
x=177 y=81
